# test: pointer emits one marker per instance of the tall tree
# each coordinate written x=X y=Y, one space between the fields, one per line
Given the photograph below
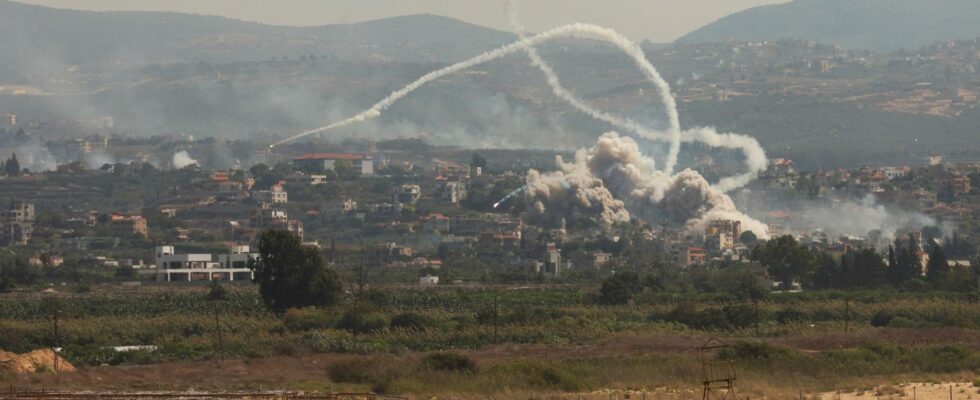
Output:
x=12 y=166
x=292 y=275
x=827 y=275
x=786 y=260
x=938 y=266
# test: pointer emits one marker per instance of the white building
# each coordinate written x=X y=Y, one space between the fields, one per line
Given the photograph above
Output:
x=276 y=195
x=173 y=267
x=428 y=281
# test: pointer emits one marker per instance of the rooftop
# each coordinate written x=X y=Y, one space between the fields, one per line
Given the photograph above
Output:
x=331 y=156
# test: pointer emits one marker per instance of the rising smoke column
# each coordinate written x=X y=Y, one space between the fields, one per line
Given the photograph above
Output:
x=613 y=181
x=181 y=159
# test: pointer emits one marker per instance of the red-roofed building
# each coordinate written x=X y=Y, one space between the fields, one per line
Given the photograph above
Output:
x=130 y=223
x=321 y=162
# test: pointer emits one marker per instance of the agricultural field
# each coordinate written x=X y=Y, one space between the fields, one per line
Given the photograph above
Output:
x=500 y=341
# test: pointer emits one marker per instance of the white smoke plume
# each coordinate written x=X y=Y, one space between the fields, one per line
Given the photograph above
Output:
x=860 y=218
x=182 y=159
x=615 y=182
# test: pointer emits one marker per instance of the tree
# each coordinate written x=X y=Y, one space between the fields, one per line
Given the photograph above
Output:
x=938 y=267
x=478 y=161
x=827 y=275
x=786 y=260
x=292 y=275
x=12 y=166
x=345 y=170
x=620 y=288
x=748 y=238
x=906 y=264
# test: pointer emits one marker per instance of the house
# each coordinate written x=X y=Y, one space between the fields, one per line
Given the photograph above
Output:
x=434 y=223
x=202 y=267
x=362 y=164
x=428 y=281
x=689 y=256
x=552 y=260
x=600 y=258
x=275 y=195
x=17 y=223
x=129 y=224
x=406 y=194
x=453 y=192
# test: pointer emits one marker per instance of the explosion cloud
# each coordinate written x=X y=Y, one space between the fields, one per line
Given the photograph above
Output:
x=614 y=182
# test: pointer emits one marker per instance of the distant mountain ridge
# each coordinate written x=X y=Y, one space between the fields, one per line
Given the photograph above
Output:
x=42 y=37
x=882 y=25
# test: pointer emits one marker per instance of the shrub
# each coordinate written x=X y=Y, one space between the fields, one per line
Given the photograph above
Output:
x=377 y=372
x=362 y=320
x=882 y=318
x=752 y=351
x=409 y=320
x=452 y=362
x=304 y=319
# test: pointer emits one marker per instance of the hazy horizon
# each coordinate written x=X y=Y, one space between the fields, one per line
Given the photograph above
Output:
x=658 y=20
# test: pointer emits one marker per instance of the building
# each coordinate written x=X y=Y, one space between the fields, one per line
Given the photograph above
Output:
x=173 y=267
x=321 y=162
x=267 y=217
x=434 y=223
x=453 y=192
x=600 y=258
x=9 y=120
x=129 y=224
x=687 y=256
x=275 y=195
x=954 y=185
x=428 y=281
x=406 y=194
x=17 y=223
x=552 y=260
x=237 y=259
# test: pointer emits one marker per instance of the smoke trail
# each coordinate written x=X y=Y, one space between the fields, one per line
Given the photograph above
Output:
x=604 y=34
x=755 y=156
x=623 y=123
x=509 y=195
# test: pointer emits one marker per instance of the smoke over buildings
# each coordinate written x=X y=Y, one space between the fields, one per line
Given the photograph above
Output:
x=614 y=182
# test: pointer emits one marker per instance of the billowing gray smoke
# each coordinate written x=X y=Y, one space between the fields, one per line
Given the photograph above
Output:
x=614 y=182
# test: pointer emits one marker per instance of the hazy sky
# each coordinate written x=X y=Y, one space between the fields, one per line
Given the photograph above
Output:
x=657 y=20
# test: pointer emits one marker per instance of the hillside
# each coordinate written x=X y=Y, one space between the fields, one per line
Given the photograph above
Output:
x=882 y=25
x=38 y=39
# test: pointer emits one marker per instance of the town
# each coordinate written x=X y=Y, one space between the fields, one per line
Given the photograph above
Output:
x=423 y=214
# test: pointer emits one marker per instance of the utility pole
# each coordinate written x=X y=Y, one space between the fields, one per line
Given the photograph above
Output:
x=847 y=314
x=755 y=304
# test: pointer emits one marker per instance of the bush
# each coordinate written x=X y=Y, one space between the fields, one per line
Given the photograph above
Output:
x=452 y=362
x=752 y=351
x=409 y=320
x=881 y=319
x=362 y=320
x=304 y=319
x=377 y=372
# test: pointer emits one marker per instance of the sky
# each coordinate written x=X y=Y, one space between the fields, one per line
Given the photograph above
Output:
x=656 y=20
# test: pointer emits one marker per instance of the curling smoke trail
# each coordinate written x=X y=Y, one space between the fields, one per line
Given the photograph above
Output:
x=604 y=34
x=661 y=85
x=755 y=156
